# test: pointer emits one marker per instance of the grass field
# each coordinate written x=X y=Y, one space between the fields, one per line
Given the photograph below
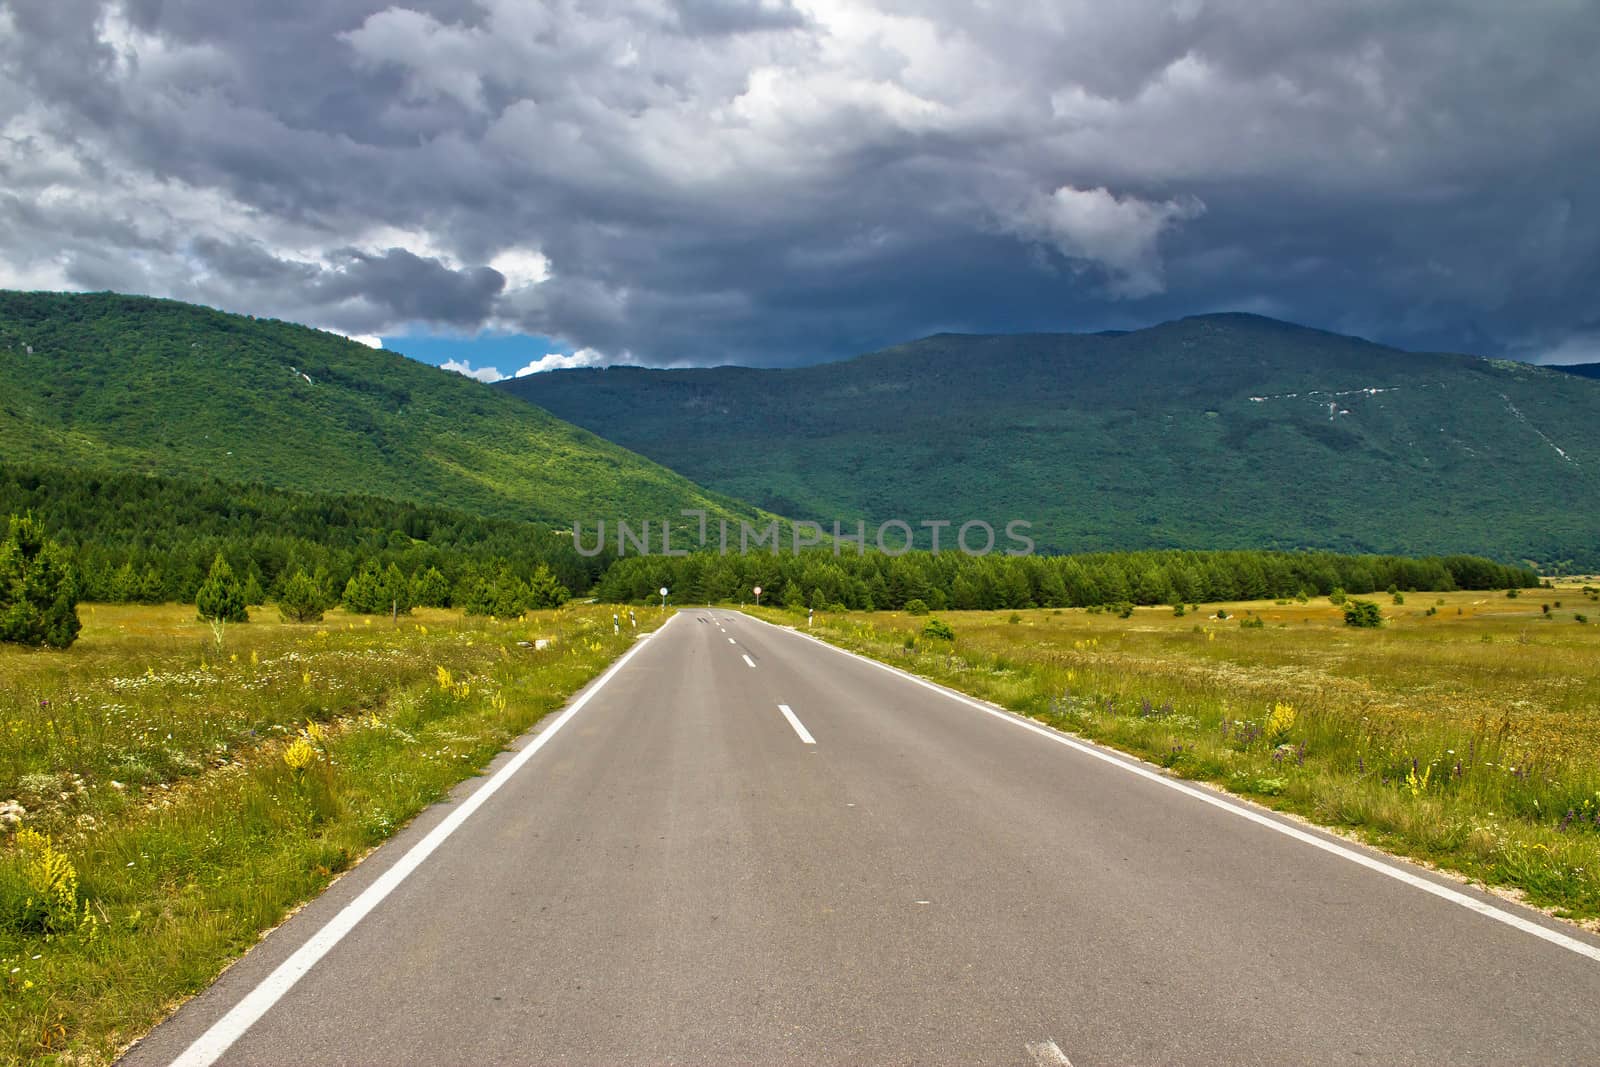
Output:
x=182 y=792
x=1465 y=732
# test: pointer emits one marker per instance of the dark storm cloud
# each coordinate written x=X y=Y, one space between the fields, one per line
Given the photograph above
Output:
x=773 y=181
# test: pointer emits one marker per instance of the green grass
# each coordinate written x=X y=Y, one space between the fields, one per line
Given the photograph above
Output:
x=160 y=766
x=1467 y=738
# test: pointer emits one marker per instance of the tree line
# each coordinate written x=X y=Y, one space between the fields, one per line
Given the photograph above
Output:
x=225 y=548
x=131 y=538
x=952 y=580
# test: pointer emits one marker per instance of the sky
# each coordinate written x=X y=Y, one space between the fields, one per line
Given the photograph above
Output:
x=507 y=186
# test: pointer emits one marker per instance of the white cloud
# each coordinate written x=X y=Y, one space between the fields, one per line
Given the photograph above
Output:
x=482 y=374
x=371 y=340
x=522 y=267
x=1119 y=234
x=583 y=357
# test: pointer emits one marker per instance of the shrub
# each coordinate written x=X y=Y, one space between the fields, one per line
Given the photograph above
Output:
x=1253 y=623
x=301 y=600
x=1512 y=594
x=1398 y=598
x=1362 y=613
x=1124 y=610
x=1015 y=618
x=38 y=591
x=1337 y=596
x=938 y=628
x=1580 y=617
x=916 y=607
x=1178 y=610
x=221 y=597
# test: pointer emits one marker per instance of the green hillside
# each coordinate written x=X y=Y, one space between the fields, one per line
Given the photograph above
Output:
x=121 y=383
x=1587 y=370
x=1221 y=431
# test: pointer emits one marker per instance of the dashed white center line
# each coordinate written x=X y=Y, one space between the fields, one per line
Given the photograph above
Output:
x=748 y=662
x=799 y=727
x=1048 y=1054
x=731 y=641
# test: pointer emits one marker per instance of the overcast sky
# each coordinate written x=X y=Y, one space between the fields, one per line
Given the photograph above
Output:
x=782 y=181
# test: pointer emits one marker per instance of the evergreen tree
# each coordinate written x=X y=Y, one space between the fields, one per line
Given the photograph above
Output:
x=545 y=591
x=38 y=592
x=301 y=599
x=430 y=588
x=377 y=590
x=1362 y=613
x=220 y=596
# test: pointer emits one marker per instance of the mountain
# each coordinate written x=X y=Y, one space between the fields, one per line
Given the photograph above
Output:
x=1218 y=431
x=1587 y=370
x=122 y=383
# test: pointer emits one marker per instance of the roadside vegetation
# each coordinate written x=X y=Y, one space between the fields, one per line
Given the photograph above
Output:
x=1462 y=730
x=171 y=788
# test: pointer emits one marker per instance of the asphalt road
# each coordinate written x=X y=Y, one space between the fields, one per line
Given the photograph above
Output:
x=683 y=872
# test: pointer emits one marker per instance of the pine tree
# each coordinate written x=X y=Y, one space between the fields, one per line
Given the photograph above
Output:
x=38 y=591
x=365 y=593
x=430 y=588
x=545 y=590
x=301 y=599
x=220 y=596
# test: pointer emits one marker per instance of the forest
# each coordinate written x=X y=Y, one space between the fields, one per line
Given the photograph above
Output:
x=134 y=538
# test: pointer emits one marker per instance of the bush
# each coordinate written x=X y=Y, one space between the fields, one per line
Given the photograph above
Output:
x=1512 y=594
x=38 y=591
x=916 y=607
x=1398 y=598
x=301 y=600
x=938 y=628
x=221 y=597
x=1255 y=622
x=1337 y=596
x=1362 y=613
x=1580 y=617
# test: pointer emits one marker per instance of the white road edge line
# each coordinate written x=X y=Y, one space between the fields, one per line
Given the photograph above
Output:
x=1388 y=870
x=748 y=662
x=799 y=727
x=211 y=1045
x=1048 y=1054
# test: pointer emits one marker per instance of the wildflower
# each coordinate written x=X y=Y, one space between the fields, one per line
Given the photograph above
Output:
x=1279 y=721
x=299 y=754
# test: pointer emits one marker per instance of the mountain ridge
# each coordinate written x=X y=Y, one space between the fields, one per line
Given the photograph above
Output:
x=1218 y=431
x=105 y=381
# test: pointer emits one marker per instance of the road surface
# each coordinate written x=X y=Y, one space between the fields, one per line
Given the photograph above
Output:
x=743 y=846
